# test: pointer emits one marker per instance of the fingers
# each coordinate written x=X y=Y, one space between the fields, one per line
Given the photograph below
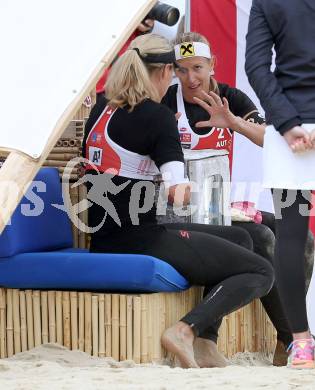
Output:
x=301 y=145
x=178 y=115
x=216 y=98
x=203 y=124
x=212 y=98
x=203 y=104
x=149 y=23
x=142 y=27
x=209 y=99
x=298 y=146
x=298 y=139
x=307 y=142
x=146 y=25
x=226 y=103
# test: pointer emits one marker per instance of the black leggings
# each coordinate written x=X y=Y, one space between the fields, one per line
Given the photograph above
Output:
x=261 y=239
x=233 y=275
x=264 y=245
x=263 y=236
x=291 y=236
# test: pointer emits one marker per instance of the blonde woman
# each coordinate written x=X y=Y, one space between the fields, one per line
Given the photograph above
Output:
x=210 y=112
x=129 y=138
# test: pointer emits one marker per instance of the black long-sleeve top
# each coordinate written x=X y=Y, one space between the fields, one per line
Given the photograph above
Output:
x=287 y=94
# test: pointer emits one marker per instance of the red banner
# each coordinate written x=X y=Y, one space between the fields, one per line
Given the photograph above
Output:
x=207 y=19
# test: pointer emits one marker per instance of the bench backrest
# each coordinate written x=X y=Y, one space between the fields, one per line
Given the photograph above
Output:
x=36 y=224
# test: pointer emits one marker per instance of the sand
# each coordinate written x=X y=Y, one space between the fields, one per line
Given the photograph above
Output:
x=52 y=366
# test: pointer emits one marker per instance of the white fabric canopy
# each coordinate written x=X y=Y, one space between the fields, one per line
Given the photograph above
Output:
x=49 y=50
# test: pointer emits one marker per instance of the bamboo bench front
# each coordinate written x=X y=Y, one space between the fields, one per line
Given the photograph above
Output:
x=121 y=326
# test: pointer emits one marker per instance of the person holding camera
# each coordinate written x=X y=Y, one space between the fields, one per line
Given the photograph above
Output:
x=129 y=138
x=161 y=12
x=143 y=28
x=209 y=112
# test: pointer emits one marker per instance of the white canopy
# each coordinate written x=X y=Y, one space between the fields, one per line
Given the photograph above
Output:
x=51 y=53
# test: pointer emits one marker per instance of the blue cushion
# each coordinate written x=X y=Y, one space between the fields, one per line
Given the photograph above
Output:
x=36 y=252
x=78 y=269
x=32 y=230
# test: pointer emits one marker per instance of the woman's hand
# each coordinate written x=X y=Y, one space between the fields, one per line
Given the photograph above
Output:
x=179 y=194
x=220 y=114
x=178 y=115
x=298 y=139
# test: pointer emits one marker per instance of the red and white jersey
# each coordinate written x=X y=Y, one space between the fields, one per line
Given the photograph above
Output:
x=108 y=157
x=216 y=138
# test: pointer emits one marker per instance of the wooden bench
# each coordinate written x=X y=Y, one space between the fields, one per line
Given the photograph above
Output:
x=122 y=326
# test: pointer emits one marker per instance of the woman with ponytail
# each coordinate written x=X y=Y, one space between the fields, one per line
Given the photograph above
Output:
x=129 y=138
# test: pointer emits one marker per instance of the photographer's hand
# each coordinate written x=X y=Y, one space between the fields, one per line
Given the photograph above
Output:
x=146 y=26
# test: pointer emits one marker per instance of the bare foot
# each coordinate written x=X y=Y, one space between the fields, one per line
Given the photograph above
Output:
x=179 y=340
x=207 y=354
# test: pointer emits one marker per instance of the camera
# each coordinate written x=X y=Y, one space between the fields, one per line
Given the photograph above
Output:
x=164 y=13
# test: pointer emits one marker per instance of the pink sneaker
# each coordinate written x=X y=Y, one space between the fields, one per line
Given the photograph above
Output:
x=302 y=354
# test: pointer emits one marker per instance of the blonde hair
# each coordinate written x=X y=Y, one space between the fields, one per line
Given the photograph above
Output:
x=129 y=80
x=196 y=37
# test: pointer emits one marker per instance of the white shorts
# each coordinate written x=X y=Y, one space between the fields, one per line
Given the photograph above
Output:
x=284 y=169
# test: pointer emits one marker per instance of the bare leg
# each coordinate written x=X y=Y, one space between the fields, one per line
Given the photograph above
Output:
x=207 y=354
x=179 y=340
x=302 y=335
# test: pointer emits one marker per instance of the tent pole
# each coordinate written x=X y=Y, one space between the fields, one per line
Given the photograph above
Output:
x=187 y=15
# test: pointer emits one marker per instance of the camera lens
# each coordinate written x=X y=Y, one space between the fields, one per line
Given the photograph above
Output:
x=164 y=13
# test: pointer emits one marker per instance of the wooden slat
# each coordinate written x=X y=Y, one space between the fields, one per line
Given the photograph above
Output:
x=101 y=325
x=129 y=328
x=16 y=321
x=30 y=319
x=3 y=322
x=122 y=327
x=81 y=321
x=137 y=329
x=144 y=329
x=23 y=321
x=74 y=319
x=59 y=320
x=37 y=319
x=10 y=345
x=115 y=326
x=94 y=325
x=88 y=322
x=108 y=325
x=44 y=310
x=52 y=316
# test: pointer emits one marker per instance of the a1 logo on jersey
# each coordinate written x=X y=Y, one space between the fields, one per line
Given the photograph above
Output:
x=95 y=155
